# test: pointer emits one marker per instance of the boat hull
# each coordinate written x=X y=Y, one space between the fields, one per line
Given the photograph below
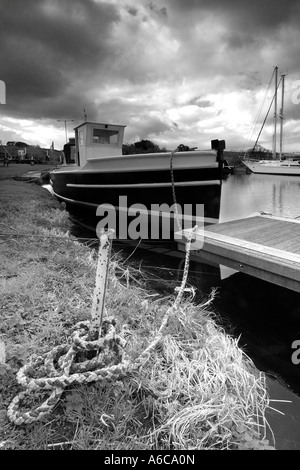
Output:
x=197 y=192
x=273 y=168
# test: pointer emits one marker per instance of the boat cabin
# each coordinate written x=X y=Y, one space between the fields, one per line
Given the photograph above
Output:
x=94 y=141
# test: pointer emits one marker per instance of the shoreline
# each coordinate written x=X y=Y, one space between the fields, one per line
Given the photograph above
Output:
x=197 y=375
x=15 y=170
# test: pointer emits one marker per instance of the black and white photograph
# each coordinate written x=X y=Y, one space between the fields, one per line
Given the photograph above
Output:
x=149 y=227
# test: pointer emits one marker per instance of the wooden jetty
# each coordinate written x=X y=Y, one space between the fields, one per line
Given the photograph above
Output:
x=263 y=246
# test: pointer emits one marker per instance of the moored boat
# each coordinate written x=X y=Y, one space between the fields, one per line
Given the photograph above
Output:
x=272 y=167
x=280 y=164
x=154 y=185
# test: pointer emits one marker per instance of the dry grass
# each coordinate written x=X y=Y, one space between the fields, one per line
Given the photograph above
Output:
x=197 y=391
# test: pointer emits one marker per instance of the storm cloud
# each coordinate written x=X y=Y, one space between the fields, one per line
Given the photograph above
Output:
x=170 y=70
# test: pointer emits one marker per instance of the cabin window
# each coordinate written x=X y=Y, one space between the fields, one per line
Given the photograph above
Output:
x=105 y=136
x=81 y=138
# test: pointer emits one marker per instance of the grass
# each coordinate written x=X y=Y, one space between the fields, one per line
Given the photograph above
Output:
x=198 y=390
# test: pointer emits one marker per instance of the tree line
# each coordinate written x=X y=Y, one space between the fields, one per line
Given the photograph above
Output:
x=147 y=146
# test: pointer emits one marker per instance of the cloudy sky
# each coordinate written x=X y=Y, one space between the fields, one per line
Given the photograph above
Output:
x=172 y=71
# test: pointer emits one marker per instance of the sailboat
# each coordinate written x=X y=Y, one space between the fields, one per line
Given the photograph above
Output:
x=284 y=165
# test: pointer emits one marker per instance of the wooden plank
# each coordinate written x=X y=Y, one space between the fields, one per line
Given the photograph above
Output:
x=279 y=233
x=279 y=266
x=256 y=221
x=276 y=237
x=292 y=246
x=284 y=219
x=274 y=278
x=240 y=226
x=262 y=246
x=253 y=229
x=245 y=246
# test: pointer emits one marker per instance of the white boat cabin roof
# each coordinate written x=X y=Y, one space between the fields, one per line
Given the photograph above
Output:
x=101 y=124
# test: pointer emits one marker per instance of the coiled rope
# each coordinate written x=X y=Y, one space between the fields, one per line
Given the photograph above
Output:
x=58 y=369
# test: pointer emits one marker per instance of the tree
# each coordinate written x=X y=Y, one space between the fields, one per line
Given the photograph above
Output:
x=143 y=146
x=185 y=148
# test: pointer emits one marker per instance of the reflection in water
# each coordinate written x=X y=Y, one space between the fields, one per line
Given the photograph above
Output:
x=244 y=195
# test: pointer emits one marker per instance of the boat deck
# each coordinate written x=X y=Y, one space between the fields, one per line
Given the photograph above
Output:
x=263 y=246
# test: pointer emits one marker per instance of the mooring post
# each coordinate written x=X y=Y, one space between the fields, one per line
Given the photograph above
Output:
x=105 y=244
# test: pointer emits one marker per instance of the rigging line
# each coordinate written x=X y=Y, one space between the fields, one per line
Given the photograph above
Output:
x=260 y=109
x=263 y=102
x=265 y=119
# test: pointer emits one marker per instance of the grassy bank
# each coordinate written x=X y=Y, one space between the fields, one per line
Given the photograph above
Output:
x=198 y=390
x=16 y=170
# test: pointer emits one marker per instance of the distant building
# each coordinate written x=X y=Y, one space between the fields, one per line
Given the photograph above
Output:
x=21 y=152
x=69 y=151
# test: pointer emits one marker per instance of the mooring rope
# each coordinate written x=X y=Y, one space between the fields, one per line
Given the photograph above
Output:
x=57 y=369
x=173 y=191
x=178 y=219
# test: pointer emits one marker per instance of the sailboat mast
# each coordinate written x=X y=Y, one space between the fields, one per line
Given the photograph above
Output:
x=281 y=115
x=275 y=113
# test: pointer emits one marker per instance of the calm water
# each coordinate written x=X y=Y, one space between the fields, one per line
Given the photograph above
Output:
x=264 y=316
x=244 y=195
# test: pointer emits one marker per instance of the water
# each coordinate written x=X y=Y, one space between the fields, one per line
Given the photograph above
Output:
x=264 y=316
x=245 y=194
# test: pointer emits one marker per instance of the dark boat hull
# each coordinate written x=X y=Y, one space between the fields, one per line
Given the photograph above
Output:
x=192 y=189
